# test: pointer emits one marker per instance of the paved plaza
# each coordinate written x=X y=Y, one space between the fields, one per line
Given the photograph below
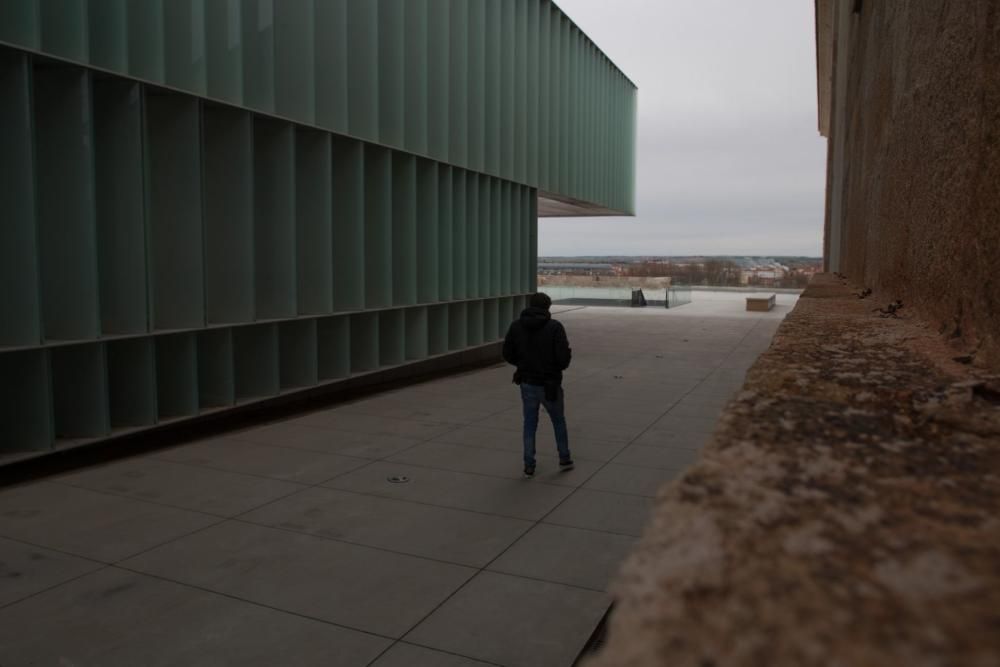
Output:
x=287 y=543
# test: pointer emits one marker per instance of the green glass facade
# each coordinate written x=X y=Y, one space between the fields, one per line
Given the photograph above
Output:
x=211 y=202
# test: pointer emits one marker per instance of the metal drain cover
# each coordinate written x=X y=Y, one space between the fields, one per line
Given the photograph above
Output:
x=398 y=479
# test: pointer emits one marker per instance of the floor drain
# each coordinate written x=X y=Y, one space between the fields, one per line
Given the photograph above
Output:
x=398 y=479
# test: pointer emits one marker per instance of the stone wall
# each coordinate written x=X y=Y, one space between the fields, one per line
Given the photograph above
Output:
x=922 y=164
x=844 y=512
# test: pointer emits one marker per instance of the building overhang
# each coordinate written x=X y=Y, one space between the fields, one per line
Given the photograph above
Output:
x=557 y=206
x=825 y=20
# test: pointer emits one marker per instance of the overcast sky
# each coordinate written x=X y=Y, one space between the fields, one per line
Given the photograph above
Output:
x=730 y=161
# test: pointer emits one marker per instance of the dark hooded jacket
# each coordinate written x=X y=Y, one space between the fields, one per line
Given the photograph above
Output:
x=537 y=345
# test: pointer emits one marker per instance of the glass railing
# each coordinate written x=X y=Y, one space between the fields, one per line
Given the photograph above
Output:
x=619 y=296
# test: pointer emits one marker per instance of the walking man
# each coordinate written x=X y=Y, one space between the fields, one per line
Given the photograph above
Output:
x=537 y=345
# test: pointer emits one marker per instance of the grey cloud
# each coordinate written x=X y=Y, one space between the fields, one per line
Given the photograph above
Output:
x=729 y=159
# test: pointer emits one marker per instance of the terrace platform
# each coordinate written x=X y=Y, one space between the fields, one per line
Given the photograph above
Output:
x=286 y=543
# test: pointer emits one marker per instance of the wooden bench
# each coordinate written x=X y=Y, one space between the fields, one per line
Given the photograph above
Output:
x=761 y=302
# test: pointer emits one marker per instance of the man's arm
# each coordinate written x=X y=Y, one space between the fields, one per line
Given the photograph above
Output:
x=510 y=347
x=563 y=353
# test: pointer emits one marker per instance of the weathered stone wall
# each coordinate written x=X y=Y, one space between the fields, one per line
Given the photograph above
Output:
x=844 y=513
x=922 y=163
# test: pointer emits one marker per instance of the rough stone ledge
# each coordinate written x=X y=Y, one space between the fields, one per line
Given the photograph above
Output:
x=846 y=512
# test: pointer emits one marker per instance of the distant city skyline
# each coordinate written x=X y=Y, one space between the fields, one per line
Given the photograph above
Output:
x=730 y=161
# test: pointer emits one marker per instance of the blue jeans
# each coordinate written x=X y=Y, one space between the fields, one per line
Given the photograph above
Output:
x=533 y=395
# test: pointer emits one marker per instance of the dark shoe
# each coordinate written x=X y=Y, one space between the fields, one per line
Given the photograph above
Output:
x=566 y=465
x=529 y=471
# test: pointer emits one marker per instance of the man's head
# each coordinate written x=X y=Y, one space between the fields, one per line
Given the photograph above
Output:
x=540 y=300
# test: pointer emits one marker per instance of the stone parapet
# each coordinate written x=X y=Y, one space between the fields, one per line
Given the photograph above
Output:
x=844 y=513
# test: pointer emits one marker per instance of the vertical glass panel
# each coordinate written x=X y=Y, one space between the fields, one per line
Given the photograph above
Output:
x=177 y=375
x=64 y=28
x=391 y=334
x=258 y=54
x=364 y=342
x=120 y=207
x=19 y=22
x=437 y=329
x=471 y=225
x=67 y=233
x=458 y=84
x=477 y=83
x=475 y=330
x=404 y=229
x=185 y=45
x=334 y=347
x=520 y=44
x=491 y=317
x=363 y=68
x=313 y=221
x=274 y=215
x=378 y=227
x=533 y=73
x=331 y=44
x=348 y=224
x=216 y=379
x=108 y=34
x=298 y=354
x=496 y=231
x=79 y=391
x=229 y=187
x=438 y=77
x=132 y=383
x=458 y=326
x=510 y=205
x=446 y=266
x=174 y=211
x=428 y=222
x=255 y=353
x=487 y=248
x=459 y=219
x=25 y=405
x=417 y=342
x=19 y=281
x=494 y=56
x=295 y=60
x=507 y=91
x=224 y=50
x=146 y=59
x=416 y=79
x=390 y=72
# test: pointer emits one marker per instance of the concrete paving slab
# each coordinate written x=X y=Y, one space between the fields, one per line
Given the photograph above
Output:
x=598 y=510
x=187 y=487
x=673 y=438
x=513 y=621
x=673 y=458
x=372 y=424
x=90 y=524
x=26 y=570
x=631 y=480
x=115 y=618
x=354 y=586
x=442 y=533
x=408 y=655
x=487 y=438
x=283 y=463
x=446 y=488
x=330 y=441
x=571 y=556
x=444 y=456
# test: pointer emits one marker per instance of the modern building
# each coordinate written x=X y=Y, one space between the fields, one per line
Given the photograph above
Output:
x=211 y=203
